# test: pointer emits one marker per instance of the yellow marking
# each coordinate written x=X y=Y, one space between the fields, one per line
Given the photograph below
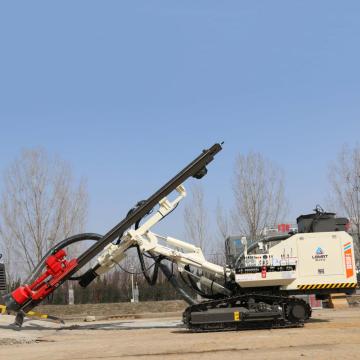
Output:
x=36 y=314
x=236 y=316
x=326 y=286
x=29 y=314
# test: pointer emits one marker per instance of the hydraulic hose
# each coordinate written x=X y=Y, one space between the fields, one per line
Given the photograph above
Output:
x=194 y=286
x=176 y=285
x=174 y=281
x=157 y=259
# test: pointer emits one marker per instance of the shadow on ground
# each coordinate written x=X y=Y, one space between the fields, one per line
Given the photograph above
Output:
x=124 y=325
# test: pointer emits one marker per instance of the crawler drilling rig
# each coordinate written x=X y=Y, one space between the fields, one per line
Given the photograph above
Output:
x=258 y=289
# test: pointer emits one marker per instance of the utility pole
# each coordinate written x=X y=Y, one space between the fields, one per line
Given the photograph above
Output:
x=132 y=284
x=71 y=294
x=134 y=289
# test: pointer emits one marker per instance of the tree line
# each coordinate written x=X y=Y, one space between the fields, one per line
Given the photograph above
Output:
x=260 y=202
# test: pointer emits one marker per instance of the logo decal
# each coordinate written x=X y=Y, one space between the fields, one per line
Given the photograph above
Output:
x=320 y=255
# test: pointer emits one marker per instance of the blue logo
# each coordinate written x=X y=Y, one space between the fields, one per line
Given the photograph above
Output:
x=319 y=251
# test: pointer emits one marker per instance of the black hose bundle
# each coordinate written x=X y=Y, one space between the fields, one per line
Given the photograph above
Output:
x=158 y=264
x=157 y=260
x=193 y=285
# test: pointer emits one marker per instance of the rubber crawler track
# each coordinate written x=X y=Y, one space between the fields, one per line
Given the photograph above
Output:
x=240 y=300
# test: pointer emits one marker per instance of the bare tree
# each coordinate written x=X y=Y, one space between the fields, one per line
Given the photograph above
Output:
x=40 y=205
x=344 y=176
x=222 y=231
x=196 y=218
x=259 y=195
x=222 y=221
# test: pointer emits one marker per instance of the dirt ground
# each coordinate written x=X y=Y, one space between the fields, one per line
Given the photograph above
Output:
x=124 y=309
x=331 y=334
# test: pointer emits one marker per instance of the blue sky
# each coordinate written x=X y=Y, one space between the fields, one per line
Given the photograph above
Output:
x=129 y=92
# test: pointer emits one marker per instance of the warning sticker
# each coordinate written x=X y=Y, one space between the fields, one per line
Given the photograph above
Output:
x=237 y=316
x=263 y=272
x=348 y=260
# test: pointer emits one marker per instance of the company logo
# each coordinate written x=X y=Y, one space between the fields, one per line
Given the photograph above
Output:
x=320 y=254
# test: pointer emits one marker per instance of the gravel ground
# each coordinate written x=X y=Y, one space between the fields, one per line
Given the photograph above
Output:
x=31 y=332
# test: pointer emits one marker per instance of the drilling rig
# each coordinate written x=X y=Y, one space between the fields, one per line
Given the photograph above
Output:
x=257 y=289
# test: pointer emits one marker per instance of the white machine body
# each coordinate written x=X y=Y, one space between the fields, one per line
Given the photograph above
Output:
x=304 y=261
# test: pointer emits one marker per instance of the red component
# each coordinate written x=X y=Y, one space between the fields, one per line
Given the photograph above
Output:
x=285 y=228
x=57 y=267
x=263 y=272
